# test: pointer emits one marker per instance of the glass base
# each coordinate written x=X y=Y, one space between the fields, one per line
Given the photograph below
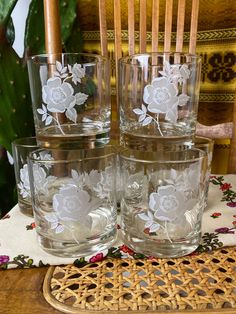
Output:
x=25 y=208
x=73 y=249
x=162 y=248
x=149 y=143
x=75 y=137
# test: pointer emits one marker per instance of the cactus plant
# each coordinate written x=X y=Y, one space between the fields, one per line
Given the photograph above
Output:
x=16 y=118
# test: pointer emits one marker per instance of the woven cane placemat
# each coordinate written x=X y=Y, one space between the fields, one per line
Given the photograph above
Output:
x=196 y=283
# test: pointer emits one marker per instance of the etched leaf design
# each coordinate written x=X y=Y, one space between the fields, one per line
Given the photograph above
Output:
x=147 y=121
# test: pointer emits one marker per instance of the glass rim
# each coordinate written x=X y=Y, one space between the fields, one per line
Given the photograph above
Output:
x=125 y=60
x=160 y=160
x=97 y=57
x=30 y=141
x=109 y=152
x=202 y=140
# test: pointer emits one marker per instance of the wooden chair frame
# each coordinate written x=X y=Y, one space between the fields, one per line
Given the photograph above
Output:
x=155 y=44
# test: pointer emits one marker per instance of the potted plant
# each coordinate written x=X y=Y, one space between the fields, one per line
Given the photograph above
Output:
x=16 y=118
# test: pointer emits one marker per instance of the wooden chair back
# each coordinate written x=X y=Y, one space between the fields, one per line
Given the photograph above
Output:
x=140 y=36
x=142 y=32
x=131 y=4
x=219 y=123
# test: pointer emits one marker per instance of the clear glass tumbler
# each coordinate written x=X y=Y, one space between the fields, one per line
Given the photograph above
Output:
x=74 y=199
x=162 y=201
x=71 y=99
x=21 y=148
x=207 y=145
x=158 y=99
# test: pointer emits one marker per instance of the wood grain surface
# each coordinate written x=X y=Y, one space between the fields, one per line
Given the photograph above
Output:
x=21 y=292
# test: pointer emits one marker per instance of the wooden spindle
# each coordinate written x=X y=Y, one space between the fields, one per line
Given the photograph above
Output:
x=142 y=25
x=118 y=54
x=193 y=27
x=155 y=24
x=180 y=26
x=52 y=26
x=131 y=28
x=168 y=25
x=103 y=27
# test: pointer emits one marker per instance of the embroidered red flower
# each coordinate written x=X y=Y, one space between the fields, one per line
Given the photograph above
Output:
x=97 y=258
x=234 y=223
x=216 y=215
x=225 y=186
x=31 y=226
x=224 y=230
x=151 y=257
x=126 y=249
x=231 y=204
x=4 y=259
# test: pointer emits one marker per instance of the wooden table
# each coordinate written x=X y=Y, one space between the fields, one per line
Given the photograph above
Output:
x=21 y=292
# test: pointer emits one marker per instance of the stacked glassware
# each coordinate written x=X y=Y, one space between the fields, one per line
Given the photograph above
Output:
x=164 y=177
x=72 y=174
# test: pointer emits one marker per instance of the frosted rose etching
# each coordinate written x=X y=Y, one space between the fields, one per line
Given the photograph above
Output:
x=74 y=201
x=59 y=95
x=71 y=204
x=162 y=96
x=171 y=201
x=40 y=177
x=24 y=185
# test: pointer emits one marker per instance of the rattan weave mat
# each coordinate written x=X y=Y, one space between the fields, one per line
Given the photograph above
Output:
x=202 y=283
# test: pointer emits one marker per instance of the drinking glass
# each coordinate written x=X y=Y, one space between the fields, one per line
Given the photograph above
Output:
x=71 y=99
x=158 y=99
x=21 y=148
x=207 y=145
x=74 y=201
x=162 y=201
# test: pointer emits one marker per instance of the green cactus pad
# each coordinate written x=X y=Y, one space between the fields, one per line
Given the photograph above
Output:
x=6 y=7
x=15 y=104
x=34 y=31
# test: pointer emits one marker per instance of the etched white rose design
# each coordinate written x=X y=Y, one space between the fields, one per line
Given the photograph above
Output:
x=41 y=180
x=92 y=179
x=173 y=200
x=104 y=187
x=168 y=203
x=72 y=204
x=59 y=94
x=186 y=180
x=24 y=185
x=162 y=95
x=176 y=72
x=97 y=181
x=150 y=222
x=78 y=72
x=44 y=156
x=82 y=194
